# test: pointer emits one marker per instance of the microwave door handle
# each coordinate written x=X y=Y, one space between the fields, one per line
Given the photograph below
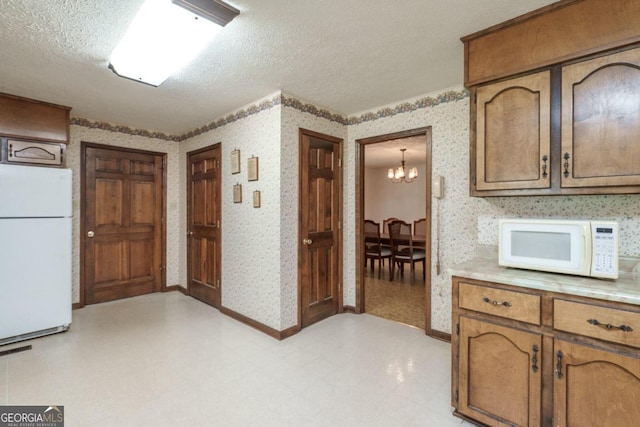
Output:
x=586 y=244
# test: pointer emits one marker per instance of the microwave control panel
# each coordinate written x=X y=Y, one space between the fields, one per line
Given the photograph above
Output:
x=604 y=261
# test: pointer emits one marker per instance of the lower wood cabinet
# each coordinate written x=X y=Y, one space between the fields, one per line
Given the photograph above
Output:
x=594 y=387
x=579 y=365
x=499 y=374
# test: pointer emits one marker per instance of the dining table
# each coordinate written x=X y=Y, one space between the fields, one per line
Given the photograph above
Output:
x=418 y=240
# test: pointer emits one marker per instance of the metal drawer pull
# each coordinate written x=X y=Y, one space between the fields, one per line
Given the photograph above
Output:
x=494 y=302
x=559 y=365
x=566 y=165
x=544 y=166
x=623 y=328
x=534 y=359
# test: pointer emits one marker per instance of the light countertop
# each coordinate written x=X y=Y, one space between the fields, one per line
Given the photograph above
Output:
x=485 y=267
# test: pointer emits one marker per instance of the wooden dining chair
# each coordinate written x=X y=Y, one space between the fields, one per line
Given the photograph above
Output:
x=420 y=227
x=386 y=222
x=403 y=250
x=373 y=248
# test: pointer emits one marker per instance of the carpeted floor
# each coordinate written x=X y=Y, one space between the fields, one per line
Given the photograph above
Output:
x=398 y=300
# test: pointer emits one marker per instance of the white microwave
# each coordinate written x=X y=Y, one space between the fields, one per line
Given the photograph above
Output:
x=583 y=248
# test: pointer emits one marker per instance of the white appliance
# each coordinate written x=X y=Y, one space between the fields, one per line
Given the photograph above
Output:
x=583 y=248
x=35 y=252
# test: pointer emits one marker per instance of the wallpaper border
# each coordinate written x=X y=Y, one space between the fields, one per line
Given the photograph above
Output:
x=287 y=101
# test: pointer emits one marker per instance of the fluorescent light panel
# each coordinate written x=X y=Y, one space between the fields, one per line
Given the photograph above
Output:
x=162 y=38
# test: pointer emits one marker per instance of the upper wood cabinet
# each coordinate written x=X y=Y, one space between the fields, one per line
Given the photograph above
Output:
x=513 y=117
x=33 y=120
x=563 y=31
x=555 y=107
x=601 y=121
x=35 y=153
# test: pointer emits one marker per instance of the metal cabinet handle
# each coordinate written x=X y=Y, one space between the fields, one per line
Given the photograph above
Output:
x=566 y=165
x=545 y=158
x=534 y=359
x=90 y=234
x=494 y=302
x=559 y=364
x=609 y=326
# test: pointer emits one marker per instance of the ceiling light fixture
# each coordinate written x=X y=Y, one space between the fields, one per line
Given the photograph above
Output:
x=165 y=35
x=400 y=175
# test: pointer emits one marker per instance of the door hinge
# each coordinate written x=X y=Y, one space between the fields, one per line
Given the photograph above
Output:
x=475 y=98
x=339 y=225
x=217 y=283
x=218 y=224
x=339 y=162
x=457 y=395
x=217 y=163
x=339 y=287
x=457 y=328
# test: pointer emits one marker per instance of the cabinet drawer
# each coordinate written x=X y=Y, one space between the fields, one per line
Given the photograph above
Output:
x=499 y=302
x=604 y=323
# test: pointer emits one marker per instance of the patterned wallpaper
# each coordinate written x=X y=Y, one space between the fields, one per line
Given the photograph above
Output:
x=293 y=119
x=463 y=222
x=260 y=278
x=250 y=250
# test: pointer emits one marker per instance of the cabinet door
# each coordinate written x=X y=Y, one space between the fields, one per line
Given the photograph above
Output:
x=601 y=121
x=513 y=133
x=595 y=387
x=39 y=153
x=499 y=380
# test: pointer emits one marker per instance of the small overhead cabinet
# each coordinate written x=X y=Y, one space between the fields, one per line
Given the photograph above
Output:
x=550 y=117
x=32 y=132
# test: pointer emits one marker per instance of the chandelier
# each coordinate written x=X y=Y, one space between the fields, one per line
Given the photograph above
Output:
x=400 y=174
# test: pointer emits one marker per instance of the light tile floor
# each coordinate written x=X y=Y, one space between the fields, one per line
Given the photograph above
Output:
x=167 y=360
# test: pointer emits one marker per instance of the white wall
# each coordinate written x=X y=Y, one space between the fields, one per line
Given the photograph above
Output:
x=384 y=199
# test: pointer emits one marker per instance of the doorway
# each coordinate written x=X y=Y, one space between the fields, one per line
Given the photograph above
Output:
x=123 y=232
x=203 y=225
x=319 y=225
x=402 y=290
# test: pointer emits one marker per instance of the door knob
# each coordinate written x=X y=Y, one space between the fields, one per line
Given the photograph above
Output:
x=307 y=241
x=189 y=233
x=90 y=234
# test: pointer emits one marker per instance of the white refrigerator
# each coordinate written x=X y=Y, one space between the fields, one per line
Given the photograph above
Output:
x=35 y=252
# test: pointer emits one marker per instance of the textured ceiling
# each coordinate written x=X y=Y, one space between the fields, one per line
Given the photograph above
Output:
x=345 y=55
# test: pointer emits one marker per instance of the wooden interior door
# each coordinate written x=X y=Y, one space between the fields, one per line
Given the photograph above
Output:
x=123 y=232
x=203 y=224
x=319 y=266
